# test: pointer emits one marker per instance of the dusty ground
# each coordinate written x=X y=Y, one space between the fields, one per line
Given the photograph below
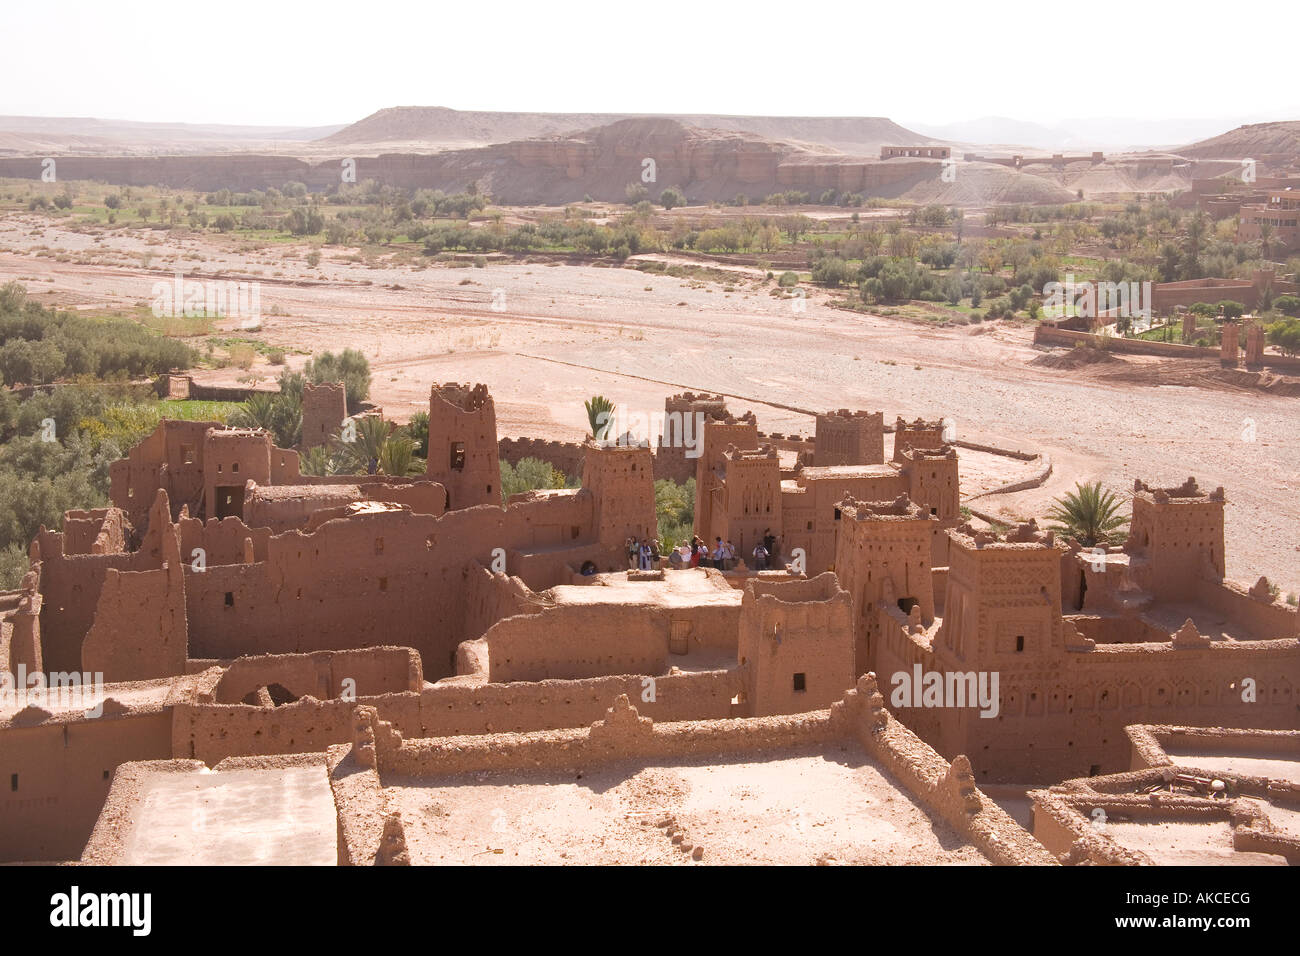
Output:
x=563 y=333
x=796 y=809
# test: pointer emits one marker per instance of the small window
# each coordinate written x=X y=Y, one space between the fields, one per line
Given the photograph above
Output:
x=234 y=468
x=934 y=511
x=230 y=599
x=1094 y=770
x=837 y=514
x=489 y=489
x=105 y=774
x=383 y=584
x=13 y=782
x=1020 y=643
x=379 y=546
x=573 y=531
x=809 y=525
x=187 y=454
x=457 y=456
x=800 y=683
x=218 y=469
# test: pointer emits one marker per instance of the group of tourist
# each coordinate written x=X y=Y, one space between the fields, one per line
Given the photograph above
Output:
x=642 y=555
x=645 y=556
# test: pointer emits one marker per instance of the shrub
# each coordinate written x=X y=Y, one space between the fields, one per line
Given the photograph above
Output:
x=672 y=197
x=350 y=367
x=830 y=271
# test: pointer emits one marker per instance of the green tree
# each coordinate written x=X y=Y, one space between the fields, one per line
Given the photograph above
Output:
x=418 y=429
x=600 y=415
x=672 y=197
x=364 y=453
x=675 y=510
x=530 y=474
x=397 y=456
x=1090 y=515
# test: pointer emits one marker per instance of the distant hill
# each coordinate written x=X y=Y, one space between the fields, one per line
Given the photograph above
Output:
x=1074 y=134
x=438 y=126
x=1264 y=141
x=30 y=135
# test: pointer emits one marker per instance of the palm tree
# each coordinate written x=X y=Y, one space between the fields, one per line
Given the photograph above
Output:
x=397 y=456
x=362 y=453
x=318 y=461
x=257 y=411
x=281 y=415
x=1265 y=238
x=600 y=415
x=1089 y=515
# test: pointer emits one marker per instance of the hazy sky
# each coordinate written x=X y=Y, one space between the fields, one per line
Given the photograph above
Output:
x=272 y=62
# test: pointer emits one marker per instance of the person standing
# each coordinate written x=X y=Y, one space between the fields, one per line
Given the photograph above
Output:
x=760 y=557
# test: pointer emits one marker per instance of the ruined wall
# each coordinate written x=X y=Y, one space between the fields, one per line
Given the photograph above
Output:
x=171 y=458
x=222 y=542
x=1259 y=613
x=371 y=579
x=372 y=671
x=948 y=789
x=620 y=732
x=576 y=641
x=70 y=590
x=101 y=531
x=63 y=771
x=463 y=445
x=139 y=630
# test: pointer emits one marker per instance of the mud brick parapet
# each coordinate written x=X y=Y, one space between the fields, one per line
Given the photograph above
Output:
x=947 y=789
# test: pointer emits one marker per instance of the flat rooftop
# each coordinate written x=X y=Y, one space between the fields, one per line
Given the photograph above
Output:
x=281 y=816
x=689 y=587
x=1187 y=843
x=830 y=804
x=849 y=471
x=1247 y=763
